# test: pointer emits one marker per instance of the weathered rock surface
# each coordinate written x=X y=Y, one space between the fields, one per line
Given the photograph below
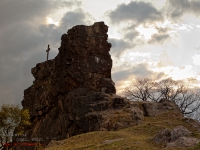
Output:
x=74 y=92
x=177 y=137
x=153 y=109
x=183 y=142
x=168 y=135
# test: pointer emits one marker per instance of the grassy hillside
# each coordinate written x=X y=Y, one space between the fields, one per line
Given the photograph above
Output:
x=133 y=138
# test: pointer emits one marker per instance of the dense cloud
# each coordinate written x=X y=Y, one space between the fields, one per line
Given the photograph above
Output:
x=23 y=40
x=67 y=4
x=178 y=8
x=21 y=49
x=136 y=11
x=162 y=35
x=137 y=70
x=22 y=10
x=73 y=18
x=131 y=35
x=118 y=46
x=159 y=38
x=13 y=11
x=140 y=70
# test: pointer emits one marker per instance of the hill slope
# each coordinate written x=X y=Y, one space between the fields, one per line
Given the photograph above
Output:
x=133 y=138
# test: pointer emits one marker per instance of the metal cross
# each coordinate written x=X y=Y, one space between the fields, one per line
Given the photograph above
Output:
x=48 y=49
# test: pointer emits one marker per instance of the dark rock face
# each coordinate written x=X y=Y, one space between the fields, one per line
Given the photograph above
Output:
x=74 y=93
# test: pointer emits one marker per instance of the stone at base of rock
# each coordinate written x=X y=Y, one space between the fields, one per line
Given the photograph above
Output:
x=183 y=142
x=178 y=137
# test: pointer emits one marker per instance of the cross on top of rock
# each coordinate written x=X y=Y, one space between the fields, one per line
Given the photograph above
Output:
x=48 y=49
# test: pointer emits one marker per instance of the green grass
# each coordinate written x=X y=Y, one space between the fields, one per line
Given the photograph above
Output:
x=133 y=138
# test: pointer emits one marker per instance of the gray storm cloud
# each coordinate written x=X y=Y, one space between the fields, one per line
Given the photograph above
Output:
x=118 y=46
x=137 y=70
x=136 y=11
x=134 y=14
x=22 y=10
x=73 y=18
x=23 y=41
x=158 y=38
x=178 y=8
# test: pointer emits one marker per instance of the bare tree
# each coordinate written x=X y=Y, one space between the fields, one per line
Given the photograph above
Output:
x=195 y=115
x=167 y=88
x=140 y=89
x=188 y=101
x=146 y=89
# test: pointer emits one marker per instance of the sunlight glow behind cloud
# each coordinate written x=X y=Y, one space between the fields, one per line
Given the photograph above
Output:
x=49 y=20
x=147 y=31
x=177 y=73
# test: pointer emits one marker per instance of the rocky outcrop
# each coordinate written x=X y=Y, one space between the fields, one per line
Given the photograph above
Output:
x=74 y=92
x=164 y=105
x=177 y=137
x=183 y=142
x=168 y=135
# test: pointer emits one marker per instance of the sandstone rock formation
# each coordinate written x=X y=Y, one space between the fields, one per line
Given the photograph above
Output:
x=74 y=92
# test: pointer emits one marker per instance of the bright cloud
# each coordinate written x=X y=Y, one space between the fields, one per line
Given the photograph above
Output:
x=137 y=57
x=196 y=59
x=177 y=73
x=146 y=32
x=49 y=20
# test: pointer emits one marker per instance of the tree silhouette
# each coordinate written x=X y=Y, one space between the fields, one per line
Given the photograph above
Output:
x=146 y=89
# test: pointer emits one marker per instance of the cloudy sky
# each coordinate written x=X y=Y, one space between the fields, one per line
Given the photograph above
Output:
x=158 y=38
